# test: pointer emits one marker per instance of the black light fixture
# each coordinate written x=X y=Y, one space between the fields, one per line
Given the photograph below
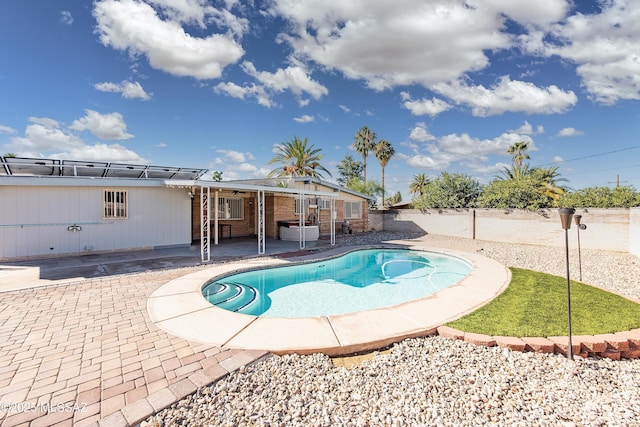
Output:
x=578 y=220
x=565 y=217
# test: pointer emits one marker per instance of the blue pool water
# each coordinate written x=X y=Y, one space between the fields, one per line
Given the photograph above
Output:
x=357 y=281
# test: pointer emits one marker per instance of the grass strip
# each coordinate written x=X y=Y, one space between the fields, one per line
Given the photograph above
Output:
x=535 y=305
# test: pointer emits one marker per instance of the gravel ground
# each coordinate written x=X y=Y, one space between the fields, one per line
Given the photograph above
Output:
x=433 y=380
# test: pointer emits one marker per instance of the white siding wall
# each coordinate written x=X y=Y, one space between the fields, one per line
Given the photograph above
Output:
x=34 y=220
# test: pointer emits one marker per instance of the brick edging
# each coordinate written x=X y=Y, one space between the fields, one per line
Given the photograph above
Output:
x=616 y=346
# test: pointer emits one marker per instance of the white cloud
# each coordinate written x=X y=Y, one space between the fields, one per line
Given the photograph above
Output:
x=104 y=126
x=604 y=46
x=44 y=137
x=6 y=129
x=431 y=107
x=527 y=129
x=242 y=92
x=236 y=165
x=344 y=108
x=463 y=148
x=420 y=133
x=387 y=44
x=129 y=90
x=304 y=119
x=537 y=13
x=570 y=132
x=161 y=145
x=102 y=152
x=234 y=156
x=293 y=78
x=66 y=18
x=138 y=28
x=508 y=96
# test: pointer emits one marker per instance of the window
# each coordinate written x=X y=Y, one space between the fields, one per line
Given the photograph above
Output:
x=352 y=209
x=230 y=208
x=307 y=202
x=115 y=204
x=324 y=203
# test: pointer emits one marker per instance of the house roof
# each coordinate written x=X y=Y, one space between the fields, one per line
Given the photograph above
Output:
x=277 y=182
x=30 y=171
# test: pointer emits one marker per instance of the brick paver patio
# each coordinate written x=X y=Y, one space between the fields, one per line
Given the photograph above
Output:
x=86 y=354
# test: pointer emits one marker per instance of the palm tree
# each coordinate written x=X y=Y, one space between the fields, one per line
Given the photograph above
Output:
x=298 y=159
x=518 y=151
x=548 y=181
x=383 y=151
x=419 y=184
x=363 y=142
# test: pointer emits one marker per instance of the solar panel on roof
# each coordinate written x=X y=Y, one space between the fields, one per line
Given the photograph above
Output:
x=53 y=167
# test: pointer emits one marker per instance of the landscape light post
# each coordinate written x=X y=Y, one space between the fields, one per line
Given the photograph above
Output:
x=565 y=218
x=578 y=219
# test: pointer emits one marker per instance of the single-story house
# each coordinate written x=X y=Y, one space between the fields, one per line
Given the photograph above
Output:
x=53 y=207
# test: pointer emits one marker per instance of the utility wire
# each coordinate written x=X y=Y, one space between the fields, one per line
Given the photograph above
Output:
x=590 y=156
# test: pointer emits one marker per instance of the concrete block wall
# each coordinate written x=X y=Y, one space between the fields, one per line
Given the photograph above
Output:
x=607 y=229
x=634 y=231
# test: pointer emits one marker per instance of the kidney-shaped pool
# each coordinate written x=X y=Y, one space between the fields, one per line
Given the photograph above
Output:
x=357 y=281
x=337 y=302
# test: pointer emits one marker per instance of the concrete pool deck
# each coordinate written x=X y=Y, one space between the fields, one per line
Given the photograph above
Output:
x=179 y=308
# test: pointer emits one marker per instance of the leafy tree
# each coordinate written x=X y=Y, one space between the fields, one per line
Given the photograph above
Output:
x=601 y=197
x=547 y=179
x=349 y=168
x=523 y=193
x=522 y=187
x=298 y=159
x=216 y=176
x=383 y=151
x=449 y=191
x=419 y=184
x=363 y=142
x=10 y=155
x=396 y=198
x=371 y=188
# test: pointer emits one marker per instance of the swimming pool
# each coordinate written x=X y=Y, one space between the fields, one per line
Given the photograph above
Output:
x=357 y=281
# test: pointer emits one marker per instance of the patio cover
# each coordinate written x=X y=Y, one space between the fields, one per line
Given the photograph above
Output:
x=207 y=187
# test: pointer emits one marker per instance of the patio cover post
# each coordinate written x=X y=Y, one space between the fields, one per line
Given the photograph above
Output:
x=205 y=254
x=261 y=224
x=216 y=208
x=301 y=223
x=332 y=222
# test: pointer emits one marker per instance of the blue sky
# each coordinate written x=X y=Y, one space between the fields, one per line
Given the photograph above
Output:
x=217 y=85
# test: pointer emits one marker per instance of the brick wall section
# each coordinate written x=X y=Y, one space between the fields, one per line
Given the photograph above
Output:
x=278 y=207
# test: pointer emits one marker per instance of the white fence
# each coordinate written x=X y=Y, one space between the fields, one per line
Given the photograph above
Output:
x=607 y=229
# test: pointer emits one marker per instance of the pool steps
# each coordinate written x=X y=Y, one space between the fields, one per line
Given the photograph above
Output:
x=233 y=296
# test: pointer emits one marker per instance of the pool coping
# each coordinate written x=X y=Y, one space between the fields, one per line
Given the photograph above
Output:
x=179 y=308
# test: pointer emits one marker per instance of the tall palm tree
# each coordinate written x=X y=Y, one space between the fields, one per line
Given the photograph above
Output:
x=383 y=151
x=419 y=184
x=363 y=142
x=518 y=151
x=298 y=159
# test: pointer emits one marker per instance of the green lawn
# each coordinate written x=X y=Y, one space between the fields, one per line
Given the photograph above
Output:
x=535 y=305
